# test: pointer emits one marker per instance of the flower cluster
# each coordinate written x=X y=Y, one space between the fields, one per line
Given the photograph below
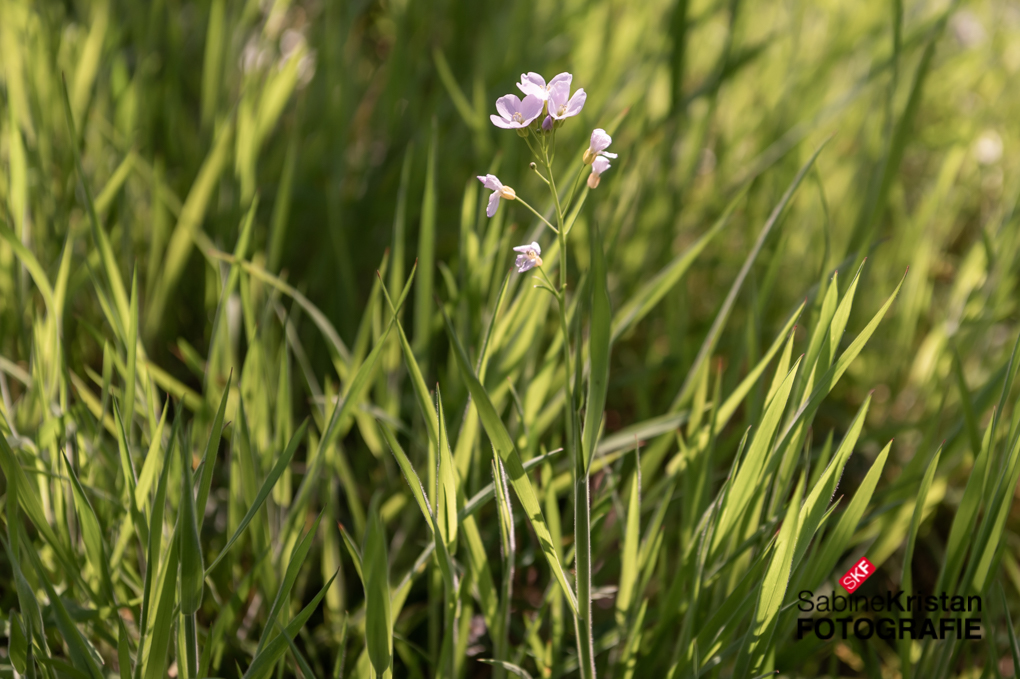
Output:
x=544 y=108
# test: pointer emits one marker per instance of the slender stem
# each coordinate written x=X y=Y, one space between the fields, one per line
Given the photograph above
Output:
x=535 y=212
x=573 y=187
x=552 y=288
x=534 y=168
x=582 y=505
x=556 y=198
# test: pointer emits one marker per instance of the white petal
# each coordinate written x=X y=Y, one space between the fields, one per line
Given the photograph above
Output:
x=576 y=103
x=558 y=94
x=531 y=108
x=507 y=105
x=600 y=165
x=493 y=204
x=536 y=247
x=491 y=182
x=600 y=141
x=534 y=79
x=502 y=122
x=561 y=77
x=527 y=89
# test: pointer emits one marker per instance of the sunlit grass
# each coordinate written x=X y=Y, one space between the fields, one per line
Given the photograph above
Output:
x=247 y=238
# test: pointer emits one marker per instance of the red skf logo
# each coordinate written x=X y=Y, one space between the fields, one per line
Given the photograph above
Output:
x=858 y=573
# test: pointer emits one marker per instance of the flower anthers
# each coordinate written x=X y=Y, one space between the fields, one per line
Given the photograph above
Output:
x=515 y=113
x=561 y=104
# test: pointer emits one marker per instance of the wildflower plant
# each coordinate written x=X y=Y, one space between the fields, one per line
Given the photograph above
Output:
x=235 y=443
x=537 y=118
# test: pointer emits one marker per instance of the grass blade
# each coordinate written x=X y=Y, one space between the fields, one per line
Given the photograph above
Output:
x=599 y=343
x=507 y=452
x=267 y=488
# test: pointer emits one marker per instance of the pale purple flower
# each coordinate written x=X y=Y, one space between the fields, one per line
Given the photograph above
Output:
x=600 y=141
x=514 y=113
x=490 y=181
x=561 y=104
x=529 y=257
x=533 y=83
x=598 y=166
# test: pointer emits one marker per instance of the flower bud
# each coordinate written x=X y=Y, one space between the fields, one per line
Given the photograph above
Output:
x=508 y=193
x=588 y=157
x=593 y=180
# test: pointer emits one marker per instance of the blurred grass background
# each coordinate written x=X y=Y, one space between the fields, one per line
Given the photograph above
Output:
x=359 y=128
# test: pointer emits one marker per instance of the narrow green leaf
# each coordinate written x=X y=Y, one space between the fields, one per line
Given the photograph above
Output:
x=961 y=531
x=827 y=381
x=378 y=623
x=598 y=342
x=652 y=292
x=629 y=555
x=1014 y=645
x=262 y=665
x=824 y=560
x=102 y=241
x=747 y=482
x=839 y=320
x=123 y=649
x=426 y=251
x=209 y=457
x=507 y=452
x=189 y=223
x=412 y=478
x=720 y=320
x=906 y=578
x=152 y=462
x=131 y=342
x=192 y=570
x=267 y=487
x=91 y=531
x=734 y=401
x=773 y=586
x=822 y=492
x=33 y=266
x=154 y=662
x=509 y=667
x=150 y=584
x=17 y=643
x=29 y=500
x=460 y=101
x=297 y=560
x=446 y=503
x=352 y=549
x=81 y=655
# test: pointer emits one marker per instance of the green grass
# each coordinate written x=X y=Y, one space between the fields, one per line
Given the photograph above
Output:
x=275 y=404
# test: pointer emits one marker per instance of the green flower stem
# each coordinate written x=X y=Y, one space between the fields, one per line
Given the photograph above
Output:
x=582 y=504
x=535 y=212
